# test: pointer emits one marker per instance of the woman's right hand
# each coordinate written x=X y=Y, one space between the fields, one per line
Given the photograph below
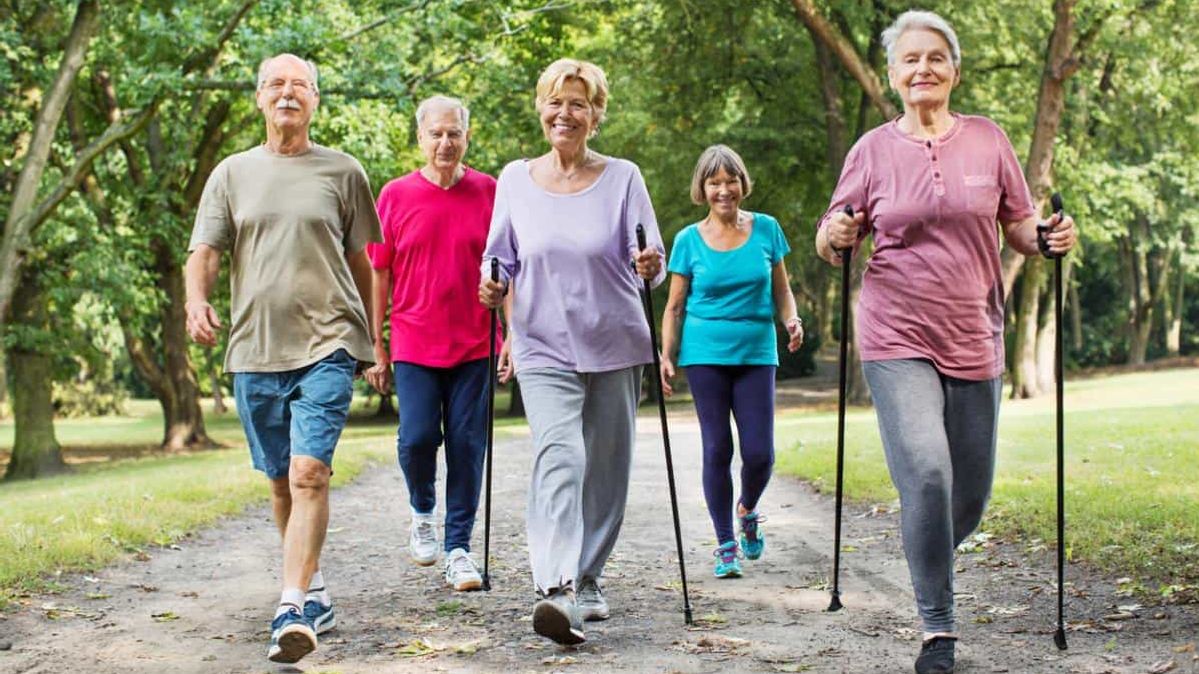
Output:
x=491 y=293
x=843 y=230
x=504 y=365
x=667 y=375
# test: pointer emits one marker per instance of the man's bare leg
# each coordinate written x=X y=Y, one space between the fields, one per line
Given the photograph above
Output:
x=304 y=532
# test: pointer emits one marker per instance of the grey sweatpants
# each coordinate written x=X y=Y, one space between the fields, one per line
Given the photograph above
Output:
x=583 y=428
x=939 y=438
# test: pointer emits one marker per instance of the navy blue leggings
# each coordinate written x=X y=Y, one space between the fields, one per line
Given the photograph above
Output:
x=748 y=392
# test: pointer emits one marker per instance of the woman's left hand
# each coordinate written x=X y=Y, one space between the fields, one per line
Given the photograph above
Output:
x=648 y=263
x=1062 y=235
x=795 y=330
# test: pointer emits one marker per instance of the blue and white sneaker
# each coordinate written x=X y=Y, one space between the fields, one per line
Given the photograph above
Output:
x=319 y=616
x=291 y=637
x=752 y=540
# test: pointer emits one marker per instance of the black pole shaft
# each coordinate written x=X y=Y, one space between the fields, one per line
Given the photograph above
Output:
x=1059 y=637
x=846 y=261
x=491 y=365
x=657 y=379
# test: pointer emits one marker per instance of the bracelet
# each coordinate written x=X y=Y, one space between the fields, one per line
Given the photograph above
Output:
x=798 y=321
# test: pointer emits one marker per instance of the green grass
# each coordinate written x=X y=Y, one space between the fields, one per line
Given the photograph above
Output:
x=102 y=510
x=1132 y=471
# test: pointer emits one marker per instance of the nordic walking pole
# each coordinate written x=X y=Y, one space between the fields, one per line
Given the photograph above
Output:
x=495 y=276
x=846 y=255
x=1059 y=637
x=674 y=500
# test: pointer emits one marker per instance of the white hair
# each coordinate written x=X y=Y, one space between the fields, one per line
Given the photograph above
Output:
x=266 y=63
x=918 y=20
x=443 y=101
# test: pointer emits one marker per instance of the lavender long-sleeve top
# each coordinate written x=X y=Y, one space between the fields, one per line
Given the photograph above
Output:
x=577 y=304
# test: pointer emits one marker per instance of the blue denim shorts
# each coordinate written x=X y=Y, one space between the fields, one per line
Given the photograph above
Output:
x=295 y=413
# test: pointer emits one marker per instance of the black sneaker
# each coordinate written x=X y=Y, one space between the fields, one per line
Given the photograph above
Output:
x=556 y=617
x=936 y=656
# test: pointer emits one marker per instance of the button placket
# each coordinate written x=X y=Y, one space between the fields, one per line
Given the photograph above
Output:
x=938 y=180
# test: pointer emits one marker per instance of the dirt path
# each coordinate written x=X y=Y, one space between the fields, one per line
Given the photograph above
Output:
x=203 y=606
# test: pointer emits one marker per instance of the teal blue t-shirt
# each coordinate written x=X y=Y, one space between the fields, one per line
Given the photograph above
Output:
x=729 y=316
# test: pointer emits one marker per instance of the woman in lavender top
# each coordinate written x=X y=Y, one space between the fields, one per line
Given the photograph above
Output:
x=564 y=233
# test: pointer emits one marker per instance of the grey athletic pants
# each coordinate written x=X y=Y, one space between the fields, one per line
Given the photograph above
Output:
x=583 y=428
x=939 y=438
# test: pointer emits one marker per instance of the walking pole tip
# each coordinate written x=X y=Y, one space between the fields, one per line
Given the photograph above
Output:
x=834 y=604
x=1059 y=638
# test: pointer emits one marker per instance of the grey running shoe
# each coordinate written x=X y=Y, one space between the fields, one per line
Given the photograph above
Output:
x=557 y=618
x=590 y=601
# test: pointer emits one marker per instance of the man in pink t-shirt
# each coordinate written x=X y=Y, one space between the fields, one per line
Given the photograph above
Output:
x=435 y=223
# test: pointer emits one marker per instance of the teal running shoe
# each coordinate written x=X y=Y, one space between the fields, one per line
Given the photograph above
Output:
x=728 y=561
x=752 y=540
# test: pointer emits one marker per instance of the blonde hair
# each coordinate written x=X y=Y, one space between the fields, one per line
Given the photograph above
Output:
x=554 y=77
x=710 y=163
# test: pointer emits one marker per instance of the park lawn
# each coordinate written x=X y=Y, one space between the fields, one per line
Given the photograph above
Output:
x=103 y=510
x=1132 y=472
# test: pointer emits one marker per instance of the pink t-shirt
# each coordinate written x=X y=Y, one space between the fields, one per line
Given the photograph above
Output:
x=933 y=287
x=432 y=241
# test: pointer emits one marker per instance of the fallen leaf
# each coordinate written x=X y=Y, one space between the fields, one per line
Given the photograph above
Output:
x=1163 y=667
x=165 y=616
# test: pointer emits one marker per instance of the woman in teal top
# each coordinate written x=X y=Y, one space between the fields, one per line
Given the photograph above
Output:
x=728 y=283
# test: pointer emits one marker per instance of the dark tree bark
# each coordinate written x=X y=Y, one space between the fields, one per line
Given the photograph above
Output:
x=218 y=396
x=516 y=404
x=35 y=448
x=1024 y=370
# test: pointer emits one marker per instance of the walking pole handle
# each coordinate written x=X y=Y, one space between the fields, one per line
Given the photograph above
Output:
x=845 y=253
x=640 y=237
x=495 y=269
x=1043 y=229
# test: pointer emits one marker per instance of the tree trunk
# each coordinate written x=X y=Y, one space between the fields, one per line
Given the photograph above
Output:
x=1047 y=330
x=1061 y=62
x=1174 y=326
x=387 y=407
x=183 y=419
x=1024 y=362
x=18 y=223
x=3 y=386
x=845 y=52
x=218 y=396
x=516 y=404
x=35 y=449
x=1075 y=318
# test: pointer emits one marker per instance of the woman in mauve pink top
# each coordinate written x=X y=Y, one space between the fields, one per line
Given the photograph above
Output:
x=934 y=189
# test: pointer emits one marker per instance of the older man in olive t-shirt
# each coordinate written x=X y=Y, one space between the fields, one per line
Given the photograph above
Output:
x=295 y=219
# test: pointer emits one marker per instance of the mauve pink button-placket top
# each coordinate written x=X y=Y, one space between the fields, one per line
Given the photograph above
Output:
x=933 y=287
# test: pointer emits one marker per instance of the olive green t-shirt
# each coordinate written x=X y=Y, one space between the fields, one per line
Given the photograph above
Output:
x=288 y=223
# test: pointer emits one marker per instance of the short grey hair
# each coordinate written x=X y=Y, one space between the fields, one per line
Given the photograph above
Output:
x=266 y=63
x=439 y=100
x=919 y=20
x=710 y=163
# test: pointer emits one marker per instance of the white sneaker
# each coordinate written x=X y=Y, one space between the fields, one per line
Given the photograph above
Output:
x=461 y=572
x=422 y=543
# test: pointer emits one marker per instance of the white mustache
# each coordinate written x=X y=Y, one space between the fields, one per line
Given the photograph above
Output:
x=287 y=104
